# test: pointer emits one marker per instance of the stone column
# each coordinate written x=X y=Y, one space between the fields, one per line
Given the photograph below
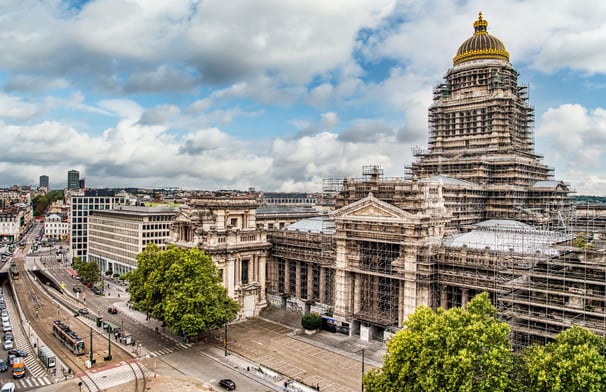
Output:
x=261 y=274
x=298 y=280
x=444 y=298
x=322 y=285
x=310 y=281
x=464 y=298
x=356 y=292
x=287 y=276
x=229 y=277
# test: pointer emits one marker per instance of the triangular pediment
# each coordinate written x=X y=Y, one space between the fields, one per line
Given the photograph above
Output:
x=373 y=208
x=183 y=216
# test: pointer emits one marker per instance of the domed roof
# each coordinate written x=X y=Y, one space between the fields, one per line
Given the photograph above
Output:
x=481 y=45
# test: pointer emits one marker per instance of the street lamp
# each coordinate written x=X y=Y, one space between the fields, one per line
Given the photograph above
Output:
x=362 y=350
x=225 y=339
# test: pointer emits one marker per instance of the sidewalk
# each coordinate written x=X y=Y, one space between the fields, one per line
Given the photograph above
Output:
x=125 y=308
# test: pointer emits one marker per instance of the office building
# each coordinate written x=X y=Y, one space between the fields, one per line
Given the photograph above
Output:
x=44 y=182
x=117 y=236
x=81 y=204
x=73 y=179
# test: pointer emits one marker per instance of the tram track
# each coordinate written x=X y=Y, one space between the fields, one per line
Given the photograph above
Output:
x=143 y=380
x=40 y=306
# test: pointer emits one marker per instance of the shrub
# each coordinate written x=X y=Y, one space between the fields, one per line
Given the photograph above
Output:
x=109 y=272
x=311 y=321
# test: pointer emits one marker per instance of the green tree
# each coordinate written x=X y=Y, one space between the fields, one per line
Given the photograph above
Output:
x=575 y=361
x=453 y=350
x=41 y=203
x=311 y=321
x=88 y=271
x=181 y=287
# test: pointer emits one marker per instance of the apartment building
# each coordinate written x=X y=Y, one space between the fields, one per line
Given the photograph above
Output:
x=56 y=227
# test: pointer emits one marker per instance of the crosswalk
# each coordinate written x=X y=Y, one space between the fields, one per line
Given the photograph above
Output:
x=27 y=382
x=117 y=376
x=33 y=365
x=168 y=350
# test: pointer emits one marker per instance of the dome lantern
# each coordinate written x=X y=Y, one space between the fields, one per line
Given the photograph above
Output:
x=481 y=45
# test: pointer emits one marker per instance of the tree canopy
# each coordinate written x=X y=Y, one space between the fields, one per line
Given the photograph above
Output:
x=41 y=203
x=88 y=271
x=468 y=350
x=573 y=362
x=453 y=350
x=181 y=287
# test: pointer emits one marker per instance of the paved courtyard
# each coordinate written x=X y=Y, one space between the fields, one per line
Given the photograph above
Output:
x=332 y=361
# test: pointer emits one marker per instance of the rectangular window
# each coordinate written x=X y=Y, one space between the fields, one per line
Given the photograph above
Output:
x=244 y=277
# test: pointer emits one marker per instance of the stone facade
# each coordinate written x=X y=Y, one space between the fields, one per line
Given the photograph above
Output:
x=226 y=230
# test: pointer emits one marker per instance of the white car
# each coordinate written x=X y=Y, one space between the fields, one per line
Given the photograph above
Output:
x=8 y=345
x=6 y=327
x=8 y=387
x=5 y=319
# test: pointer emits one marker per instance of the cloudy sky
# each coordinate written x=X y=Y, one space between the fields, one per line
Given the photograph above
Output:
x=275 y=94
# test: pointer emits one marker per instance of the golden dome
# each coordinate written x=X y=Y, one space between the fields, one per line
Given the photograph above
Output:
x=481 y=45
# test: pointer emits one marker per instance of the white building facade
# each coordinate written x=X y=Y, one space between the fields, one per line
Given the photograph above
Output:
x=117 y=236
x=56 y=227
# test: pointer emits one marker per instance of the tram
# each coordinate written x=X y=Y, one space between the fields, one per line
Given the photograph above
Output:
x=68 y=337
x=14 y=270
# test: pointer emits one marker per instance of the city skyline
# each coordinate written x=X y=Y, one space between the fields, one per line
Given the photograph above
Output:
x=275 y=95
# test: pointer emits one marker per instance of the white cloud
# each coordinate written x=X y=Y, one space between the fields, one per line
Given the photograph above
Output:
x=170 y=88
x=122 y=108
x=278 y=37
x=15 y=108
x=330 y=119
x=576 y=139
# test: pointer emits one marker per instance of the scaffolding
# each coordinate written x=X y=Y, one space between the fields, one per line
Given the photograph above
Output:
x=302 y=266
x=396 y=239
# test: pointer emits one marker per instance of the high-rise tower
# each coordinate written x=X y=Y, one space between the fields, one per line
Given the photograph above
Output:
x=73 y=179
x=44 y=181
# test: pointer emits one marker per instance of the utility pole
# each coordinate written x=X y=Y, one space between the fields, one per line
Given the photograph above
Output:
x=225 y=339
x=362 y=370
x=109 y=345
x=91 y=346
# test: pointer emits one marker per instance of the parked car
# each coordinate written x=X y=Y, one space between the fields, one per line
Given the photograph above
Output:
x=3 y=365
x=112 y=310
x=8 y=345
x=227 y=384
x=96 y=290
x=18 y=352
x=6 y=327
x=9 y=336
